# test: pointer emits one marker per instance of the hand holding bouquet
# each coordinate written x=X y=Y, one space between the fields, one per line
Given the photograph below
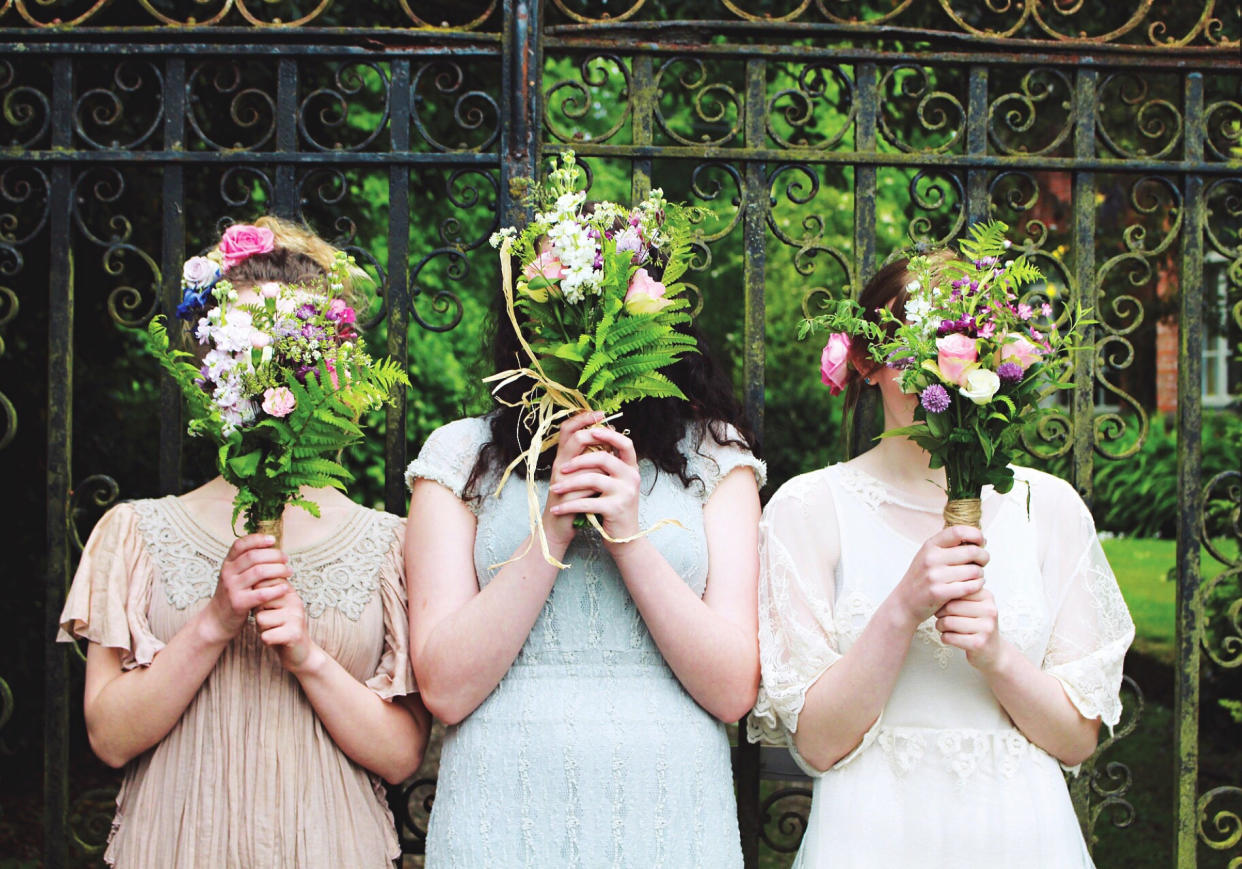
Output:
x=978 y=353
x=597 y=310
x=283 y=382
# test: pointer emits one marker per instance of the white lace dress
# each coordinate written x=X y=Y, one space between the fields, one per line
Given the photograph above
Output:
x=943 y=778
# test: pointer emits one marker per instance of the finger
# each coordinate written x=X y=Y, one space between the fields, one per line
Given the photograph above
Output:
x=269 y=618
x=577 y=422
x=622 y=445
x=250 y=542
x=599 y=460
x=583 y=481
x=250 y=578
x=965 y=554
x=281 y=635
x=955 y=573
x=599 y=506
x=955 y=535
x=246 y=560
x=253 y=599
x=959 y=625
x=965 y=642
x=972 y=606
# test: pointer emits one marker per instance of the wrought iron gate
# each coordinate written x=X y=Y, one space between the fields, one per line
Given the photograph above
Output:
x=1108 y=136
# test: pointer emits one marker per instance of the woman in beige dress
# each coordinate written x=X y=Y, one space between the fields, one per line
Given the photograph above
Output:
x=254 y=696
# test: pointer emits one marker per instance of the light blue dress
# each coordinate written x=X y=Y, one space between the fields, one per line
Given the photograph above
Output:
x=589 y=753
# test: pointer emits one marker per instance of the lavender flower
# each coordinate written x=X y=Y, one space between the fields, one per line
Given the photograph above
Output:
x=935 y=399
x=1009 y=372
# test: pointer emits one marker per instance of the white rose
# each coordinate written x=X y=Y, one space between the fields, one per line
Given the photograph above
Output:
x=981 y=384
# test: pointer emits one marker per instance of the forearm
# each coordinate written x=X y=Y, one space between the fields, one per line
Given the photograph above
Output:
x=848 y=698
x=716 y=660
x=468 y=651
x=1039 y=707
x=162 y=691
x=387 y=738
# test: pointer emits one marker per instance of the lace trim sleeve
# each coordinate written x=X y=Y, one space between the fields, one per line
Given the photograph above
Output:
x=712 y=462
x=394 y=676
x=1092 y=628
x=797 y=640
x=449 y=454
x=111 y=592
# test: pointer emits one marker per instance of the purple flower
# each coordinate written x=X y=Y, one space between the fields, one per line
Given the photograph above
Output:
x=935 y=399
x=959 y=283
x=306 y=312
x=1009 y=372
x=974 y=286
x=987 y=262
x=314 y=332
x=946 y=327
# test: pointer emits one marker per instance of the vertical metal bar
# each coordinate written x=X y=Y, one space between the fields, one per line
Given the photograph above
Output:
x=862 y=430
x=977 y=143
x=396 y=300
x=1189 y=486
x=754 y=223
x=286 y=197
x=521 y=93
x=171 y=424
x=59 y=453
x=1084 y=277
x=642 y=108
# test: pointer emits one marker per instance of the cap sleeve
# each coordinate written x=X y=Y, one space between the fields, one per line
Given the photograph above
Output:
x=797 y=637
x=394 y=675
x=1092 y=627
x=711 y=462
x=449 y=454
x=111 y=591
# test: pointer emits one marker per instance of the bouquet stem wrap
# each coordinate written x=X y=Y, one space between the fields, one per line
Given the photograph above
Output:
x=548 y=402
x=963 y=511
x=274 y=527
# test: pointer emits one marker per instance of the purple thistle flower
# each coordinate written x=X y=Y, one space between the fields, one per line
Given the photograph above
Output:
x=935 y=399
x=1009 y=372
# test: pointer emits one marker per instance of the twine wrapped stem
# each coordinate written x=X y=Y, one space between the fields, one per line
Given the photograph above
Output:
x=963 y=511
x=274 y=527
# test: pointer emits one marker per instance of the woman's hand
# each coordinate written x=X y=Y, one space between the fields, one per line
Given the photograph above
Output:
x=604 y=482
x=969 y=623
x=282 y=624
x=947 y=567
x=576 y=435
x=254 y=573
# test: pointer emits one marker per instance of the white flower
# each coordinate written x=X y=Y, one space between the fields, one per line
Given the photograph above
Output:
x=981 y=384
x=914 y=286
x=500 y=235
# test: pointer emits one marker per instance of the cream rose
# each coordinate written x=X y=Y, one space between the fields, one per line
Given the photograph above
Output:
x=980 y=385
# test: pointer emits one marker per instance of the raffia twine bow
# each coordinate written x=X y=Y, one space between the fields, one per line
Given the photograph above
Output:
x=547 y=404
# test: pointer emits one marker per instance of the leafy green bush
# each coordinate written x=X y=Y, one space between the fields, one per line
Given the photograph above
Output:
x=1137 y=495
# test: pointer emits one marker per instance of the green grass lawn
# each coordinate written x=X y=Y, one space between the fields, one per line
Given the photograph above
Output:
x=1143 y=568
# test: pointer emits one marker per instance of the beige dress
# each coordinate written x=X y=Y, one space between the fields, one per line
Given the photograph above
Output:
x=249 y=777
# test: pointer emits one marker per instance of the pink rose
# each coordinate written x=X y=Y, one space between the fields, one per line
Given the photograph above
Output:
x=270 y=290
x=279 y=401
x=957 y=354
x=1017 y=349
x=241 y=240
x=260 y=339
x=546 y=265
x=834 y=362
x=645 y=295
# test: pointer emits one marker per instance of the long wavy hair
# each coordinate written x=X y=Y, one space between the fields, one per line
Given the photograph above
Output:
x=656 y=425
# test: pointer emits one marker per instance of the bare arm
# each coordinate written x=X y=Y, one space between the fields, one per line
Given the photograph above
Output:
x=163 y=690
x=848 y=698
x=462 y=639
x=711 y=643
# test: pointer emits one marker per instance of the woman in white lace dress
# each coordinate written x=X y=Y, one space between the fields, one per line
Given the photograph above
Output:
x=931 y=679
x=249 y=740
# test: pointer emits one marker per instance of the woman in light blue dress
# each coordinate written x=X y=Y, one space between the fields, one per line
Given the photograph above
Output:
x=587 y=706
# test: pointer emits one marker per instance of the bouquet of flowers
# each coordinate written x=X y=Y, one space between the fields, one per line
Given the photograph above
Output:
x=282 y=385
x=979 y=354
x=595 y=326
